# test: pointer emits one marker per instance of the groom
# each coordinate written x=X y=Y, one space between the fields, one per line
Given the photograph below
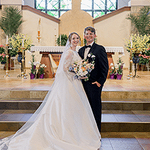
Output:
x=94 y=85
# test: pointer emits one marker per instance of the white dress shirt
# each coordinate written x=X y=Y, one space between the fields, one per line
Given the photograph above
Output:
x=87 y=50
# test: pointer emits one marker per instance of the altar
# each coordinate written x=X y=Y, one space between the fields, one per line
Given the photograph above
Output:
x=56 y=52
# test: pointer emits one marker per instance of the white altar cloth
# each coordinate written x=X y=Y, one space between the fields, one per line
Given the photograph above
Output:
x=61 y=48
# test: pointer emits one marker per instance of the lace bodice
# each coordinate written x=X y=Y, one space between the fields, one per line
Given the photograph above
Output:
x=70 y=58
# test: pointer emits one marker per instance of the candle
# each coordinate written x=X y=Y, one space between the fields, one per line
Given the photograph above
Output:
x=38 y=33
x=60 y=40
x=6 y=39
x=131 y=42
x=22 y=42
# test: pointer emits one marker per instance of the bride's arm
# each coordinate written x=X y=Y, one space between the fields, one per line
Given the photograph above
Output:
x=68 y=63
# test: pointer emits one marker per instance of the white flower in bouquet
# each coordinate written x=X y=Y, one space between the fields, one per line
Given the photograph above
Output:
x=89 y=55
x=93 y=56
x=111 y=64
x=83 y=68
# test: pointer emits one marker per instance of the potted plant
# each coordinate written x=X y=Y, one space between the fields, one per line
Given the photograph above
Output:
x=41 y=70
x=33 y=67
x=112 y=71
x=11 y=20
x=62 y=40
x=119 y=69
x=141 y=21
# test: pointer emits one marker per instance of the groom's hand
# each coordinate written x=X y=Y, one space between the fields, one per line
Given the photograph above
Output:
x=98 y=84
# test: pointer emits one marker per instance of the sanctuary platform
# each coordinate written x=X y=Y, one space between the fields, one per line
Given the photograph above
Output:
x=125 y=104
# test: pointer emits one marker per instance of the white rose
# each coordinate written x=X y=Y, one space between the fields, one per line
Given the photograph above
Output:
x=89 y=55
x=111 y=64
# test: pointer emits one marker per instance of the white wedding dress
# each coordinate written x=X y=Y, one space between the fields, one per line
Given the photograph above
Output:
x=64 y=120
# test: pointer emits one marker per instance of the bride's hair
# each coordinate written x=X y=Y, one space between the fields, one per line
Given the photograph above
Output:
x=70 y=36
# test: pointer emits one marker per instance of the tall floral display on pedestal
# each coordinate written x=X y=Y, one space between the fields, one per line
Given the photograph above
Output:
x=136 y=45
x=139 y=41
x=19 y=43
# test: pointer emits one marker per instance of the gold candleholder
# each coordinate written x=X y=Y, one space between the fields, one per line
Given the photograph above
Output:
x=7 y=56
x=23 y=74
x=130 y=66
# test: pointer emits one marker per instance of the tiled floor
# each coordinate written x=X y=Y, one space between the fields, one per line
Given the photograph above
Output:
x=117 y=140
x=141 y=83
x=126 y=141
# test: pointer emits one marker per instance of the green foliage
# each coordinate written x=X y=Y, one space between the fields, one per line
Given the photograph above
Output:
x=141 y=21
x=11 y=20
x=2 y=50
x=63 y=40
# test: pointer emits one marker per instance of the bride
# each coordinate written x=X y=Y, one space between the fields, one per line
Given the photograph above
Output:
x=64 y=121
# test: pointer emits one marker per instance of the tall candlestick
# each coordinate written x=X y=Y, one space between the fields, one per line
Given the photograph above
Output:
x=22 y=42
x=6 y=39
x=60 y=40
x=131 y=42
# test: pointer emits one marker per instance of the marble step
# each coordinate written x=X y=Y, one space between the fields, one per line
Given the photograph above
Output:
x=125 y=104
x=112 y=121
x=20 y=104
x=105 y=94
x=107 y=104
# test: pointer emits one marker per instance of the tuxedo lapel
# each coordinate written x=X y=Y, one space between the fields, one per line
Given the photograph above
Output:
x=82 y=52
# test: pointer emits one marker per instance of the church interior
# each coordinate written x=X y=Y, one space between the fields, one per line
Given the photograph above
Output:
x=125 y=101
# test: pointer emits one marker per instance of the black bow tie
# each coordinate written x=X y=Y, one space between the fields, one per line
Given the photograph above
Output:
x=86 y=46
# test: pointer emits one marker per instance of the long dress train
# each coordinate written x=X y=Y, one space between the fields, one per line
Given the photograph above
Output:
x=65 y=122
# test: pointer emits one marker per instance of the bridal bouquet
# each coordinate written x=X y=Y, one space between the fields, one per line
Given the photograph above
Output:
x=83 y=68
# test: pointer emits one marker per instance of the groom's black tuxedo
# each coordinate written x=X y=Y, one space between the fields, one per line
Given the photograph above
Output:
x=99 y=74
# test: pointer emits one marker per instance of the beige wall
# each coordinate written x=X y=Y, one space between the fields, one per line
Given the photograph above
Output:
x=140 y=2
x=12 y=2
x=113 y=31
x=48 y=30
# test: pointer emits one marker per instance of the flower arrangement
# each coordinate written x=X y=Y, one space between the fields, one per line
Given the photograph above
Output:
x=33 y=66
x=144 y=58
x=2 y=49
x=138 y=43
x=112 y=69
x=119 y=67
x=83 y=68
x=2 y=54
x=3 y=58
x=41 y=68
x=17 y=41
